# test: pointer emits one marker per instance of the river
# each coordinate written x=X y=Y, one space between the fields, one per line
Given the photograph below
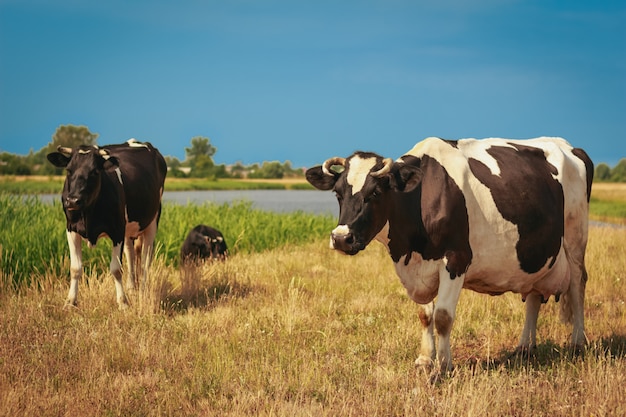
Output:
x=280 y=201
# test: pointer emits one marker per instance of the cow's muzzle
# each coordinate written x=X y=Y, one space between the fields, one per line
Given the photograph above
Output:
x=343 y=239
x=72 y=203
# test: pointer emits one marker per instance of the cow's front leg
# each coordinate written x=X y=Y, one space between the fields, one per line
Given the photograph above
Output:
x=76 y=267
x=116 y=270
x=427 y=350
x=445 y=310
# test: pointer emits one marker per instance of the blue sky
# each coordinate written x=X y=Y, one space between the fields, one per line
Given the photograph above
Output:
x=306 y=80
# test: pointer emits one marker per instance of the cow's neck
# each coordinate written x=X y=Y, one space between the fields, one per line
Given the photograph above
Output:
x=404 y=231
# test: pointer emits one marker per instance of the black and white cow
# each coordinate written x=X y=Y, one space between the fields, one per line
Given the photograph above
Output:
x=203 y=242
x=492 y=216
x=112 y=191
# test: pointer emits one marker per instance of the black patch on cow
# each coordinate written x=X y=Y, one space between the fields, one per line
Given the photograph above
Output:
x=527 y=195
x=453 y=143
x=431 y=220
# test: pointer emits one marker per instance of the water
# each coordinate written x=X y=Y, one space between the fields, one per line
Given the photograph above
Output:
x=280 y=201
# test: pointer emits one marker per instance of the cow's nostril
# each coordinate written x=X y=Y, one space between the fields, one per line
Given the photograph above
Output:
x=72 y=201
x=343 y=241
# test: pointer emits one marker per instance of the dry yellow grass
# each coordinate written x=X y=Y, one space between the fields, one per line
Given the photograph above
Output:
x=615 y=191
x=302 y=331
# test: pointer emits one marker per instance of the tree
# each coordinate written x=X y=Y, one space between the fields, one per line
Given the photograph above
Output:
x=174 y=165
x=602 y=172
x=72 y=136
x=65 y=135
x=202 y=167
x=618 y=173
x=269 y=170
x=200 y=146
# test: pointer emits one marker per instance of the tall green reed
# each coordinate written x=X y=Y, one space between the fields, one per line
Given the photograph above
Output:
x=33 y=241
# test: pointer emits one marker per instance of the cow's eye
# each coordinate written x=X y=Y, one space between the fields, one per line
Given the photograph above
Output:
x=373 y=196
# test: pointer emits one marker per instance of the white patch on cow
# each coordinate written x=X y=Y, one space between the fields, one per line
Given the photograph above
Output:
x=119 y=175
x=340 y=230
x=477 y=149
x=134 y=143
x=358 y=172
x=84 y=151
x=420 y=277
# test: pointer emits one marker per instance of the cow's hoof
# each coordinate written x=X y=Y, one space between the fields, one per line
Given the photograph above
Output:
x=70 y=305
x=523 y=350
x=425 y=363
x=123 y=304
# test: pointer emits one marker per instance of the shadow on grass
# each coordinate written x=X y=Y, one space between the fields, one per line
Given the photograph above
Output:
x=202 y=287
x=549 y=353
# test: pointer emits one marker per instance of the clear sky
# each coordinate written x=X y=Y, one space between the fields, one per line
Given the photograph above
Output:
x=306 y=80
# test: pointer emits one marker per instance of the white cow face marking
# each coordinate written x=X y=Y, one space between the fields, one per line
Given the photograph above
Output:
x=359 y=171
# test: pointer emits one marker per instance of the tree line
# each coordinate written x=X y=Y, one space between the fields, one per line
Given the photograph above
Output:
x=197 y=164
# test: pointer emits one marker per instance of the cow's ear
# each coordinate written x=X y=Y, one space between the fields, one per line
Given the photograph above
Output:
x=58 y=159
x=319 y=179
x=404 y=177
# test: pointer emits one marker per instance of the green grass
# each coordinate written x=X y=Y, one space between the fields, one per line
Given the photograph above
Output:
x=607 y=209
x=33 y=241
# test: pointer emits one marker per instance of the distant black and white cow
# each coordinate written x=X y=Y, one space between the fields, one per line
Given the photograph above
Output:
x=203 y=242
x=492 y=216
x=112 y=191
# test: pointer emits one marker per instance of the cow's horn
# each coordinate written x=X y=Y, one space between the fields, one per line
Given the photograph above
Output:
x=385 y=169
x=330 y=162
x=64 y=150
x=104 y=153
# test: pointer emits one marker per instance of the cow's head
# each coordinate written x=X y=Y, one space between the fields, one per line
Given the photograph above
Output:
x=85 y=166
x=363 y=184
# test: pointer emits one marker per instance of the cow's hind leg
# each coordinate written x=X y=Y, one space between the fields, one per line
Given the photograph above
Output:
x=116 y=270
x=131 y=263
x=76 y=267
x=528 y=339
x=147 y=250
x=573 y=304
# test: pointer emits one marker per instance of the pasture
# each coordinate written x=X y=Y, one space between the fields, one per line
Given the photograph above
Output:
x=285 y=327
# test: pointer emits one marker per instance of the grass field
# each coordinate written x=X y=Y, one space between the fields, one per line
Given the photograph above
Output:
x=286 y=327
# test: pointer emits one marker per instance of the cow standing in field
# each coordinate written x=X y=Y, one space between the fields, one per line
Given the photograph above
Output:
x=112 y=191
x=492 y=216
x=203 y=242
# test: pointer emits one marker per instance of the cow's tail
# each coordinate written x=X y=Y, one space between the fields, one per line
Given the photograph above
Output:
x=576 y=234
